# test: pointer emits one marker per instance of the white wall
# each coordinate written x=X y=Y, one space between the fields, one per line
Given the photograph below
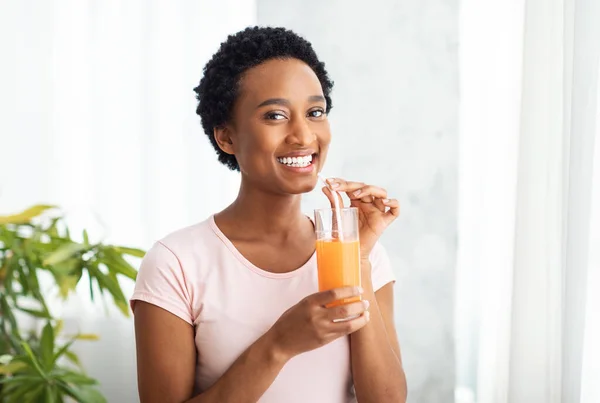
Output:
x=394 y=124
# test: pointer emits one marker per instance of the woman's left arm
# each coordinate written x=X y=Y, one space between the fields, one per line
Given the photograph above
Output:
x=375 y=352
x=376 y=361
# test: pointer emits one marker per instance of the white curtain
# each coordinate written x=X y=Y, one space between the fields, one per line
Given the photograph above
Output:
x=97 y=116
x=527 y=284
x=590 y=376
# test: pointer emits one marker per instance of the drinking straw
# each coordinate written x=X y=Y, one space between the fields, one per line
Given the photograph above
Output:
x=337 y=211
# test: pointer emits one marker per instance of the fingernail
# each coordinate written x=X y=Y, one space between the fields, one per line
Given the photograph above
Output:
x=366 y=303
x=357 y=192
x=367 y=315
x=359 y=290
x=334 y=185
x=386 y=201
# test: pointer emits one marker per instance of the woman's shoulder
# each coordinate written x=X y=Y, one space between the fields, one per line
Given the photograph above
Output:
x=172 y=271
x=199 y=236
x=184 y=255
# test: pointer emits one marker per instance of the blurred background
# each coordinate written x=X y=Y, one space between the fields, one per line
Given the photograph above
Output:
x=481 y=116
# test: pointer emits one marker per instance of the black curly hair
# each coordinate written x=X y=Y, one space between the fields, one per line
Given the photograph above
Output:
x=218 y=88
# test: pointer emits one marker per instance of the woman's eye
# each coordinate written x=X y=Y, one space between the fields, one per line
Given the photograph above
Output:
x=317 y=113
x=275 y=116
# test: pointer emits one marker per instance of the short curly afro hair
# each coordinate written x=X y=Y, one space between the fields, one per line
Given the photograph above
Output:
x=219 y=86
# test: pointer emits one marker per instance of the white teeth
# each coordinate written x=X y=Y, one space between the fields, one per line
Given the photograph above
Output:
x=297 y=162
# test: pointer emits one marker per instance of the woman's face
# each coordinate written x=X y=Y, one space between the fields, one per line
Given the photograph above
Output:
x=279 y=132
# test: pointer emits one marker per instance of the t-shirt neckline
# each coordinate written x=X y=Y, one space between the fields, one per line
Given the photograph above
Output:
x=265 y=273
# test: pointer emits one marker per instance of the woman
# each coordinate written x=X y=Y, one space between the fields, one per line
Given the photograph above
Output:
x=227 y=310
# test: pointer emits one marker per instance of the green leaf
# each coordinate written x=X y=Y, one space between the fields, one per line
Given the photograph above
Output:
x=71 y=392
x=47 y=346
x=63 y=253
x=38 y=314
x=92 y=395
x=64 y=350
x=45 y=248
x=86 y=238
x=33 y=360
x=91 y=279
x=114 y=288
x=66 y=284
x=6 y=311
x=27 y=392
x=65 y=267
x=11 y=342
x=71 y=356
x=50 y=393
x=10 y=383
x=129 y=251
x=24 y=216
x=77 y=379
x=11 y=389
x=18 y=380
x=86 y=336
x=40 y=298
x=115 y=263
x=59 y=326
x=84 y=394
x=52 y=230
x=23 y=279
x=12 y=367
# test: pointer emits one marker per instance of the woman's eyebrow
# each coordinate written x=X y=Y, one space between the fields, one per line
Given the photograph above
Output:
x=285 y=102
x=274 y=101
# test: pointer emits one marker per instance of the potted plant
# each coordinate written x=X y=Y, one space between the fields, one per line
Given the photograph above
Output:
x=36 y=360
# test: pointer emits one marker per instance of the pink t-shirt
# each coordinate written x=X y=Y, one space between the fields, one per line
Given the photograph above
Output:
x=198 y=275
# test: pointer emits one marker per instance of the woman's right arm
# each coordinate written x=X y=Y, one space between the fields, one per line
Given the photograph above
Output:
x=166 y=353
x=167 y=362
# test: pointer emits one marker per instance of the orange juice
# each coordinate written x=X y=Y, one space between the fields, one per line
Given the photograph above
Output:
x=338 y=266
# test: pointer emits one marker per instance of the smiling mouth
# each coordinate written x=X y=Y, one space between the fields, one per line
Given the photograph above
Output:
x=297 y=162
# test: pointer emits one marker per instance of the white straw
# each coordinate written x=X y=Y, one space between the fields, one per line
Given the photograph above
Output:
x=337 y=211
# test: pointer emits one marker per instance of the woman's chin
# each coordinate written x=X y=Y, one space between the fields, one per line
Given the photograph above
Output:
x=299 y=186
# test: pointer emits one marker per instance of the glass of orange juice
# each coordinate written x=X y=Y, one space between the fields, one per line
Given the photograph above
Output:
x=338 y=251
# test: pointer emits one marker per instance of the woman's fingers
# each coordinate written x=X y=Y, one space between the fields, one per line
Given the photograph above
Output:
x=351 y=325
x=357 y=190
x=327 y=297
x=342 y=185
x=367 y=194
x=380 y=205
x=394 y=209
x=347 y=311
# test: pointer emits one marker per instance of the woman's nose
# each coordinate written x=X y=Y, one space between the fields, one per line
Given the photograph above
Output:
x=301 y=133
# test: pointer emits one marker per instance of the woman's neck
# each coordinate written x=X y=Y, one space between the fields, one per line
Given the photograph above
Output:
x=262 y=213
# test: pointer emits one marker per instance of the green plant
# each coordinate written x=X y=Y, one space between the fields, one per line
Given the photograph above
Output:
x=33 y=366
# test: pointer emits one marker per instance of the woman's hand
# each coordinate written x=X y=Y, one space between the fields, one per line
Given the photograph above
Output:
x=375 y=210
x=310 y=324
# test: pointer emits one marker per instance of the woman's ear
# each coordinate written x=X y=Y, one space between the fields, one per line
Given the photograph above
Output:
x=223 y=138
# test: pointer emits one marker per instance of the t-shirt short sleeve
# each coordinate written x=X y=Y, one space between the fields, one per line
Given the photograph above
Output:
x=161 y=282
x=381 y=268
